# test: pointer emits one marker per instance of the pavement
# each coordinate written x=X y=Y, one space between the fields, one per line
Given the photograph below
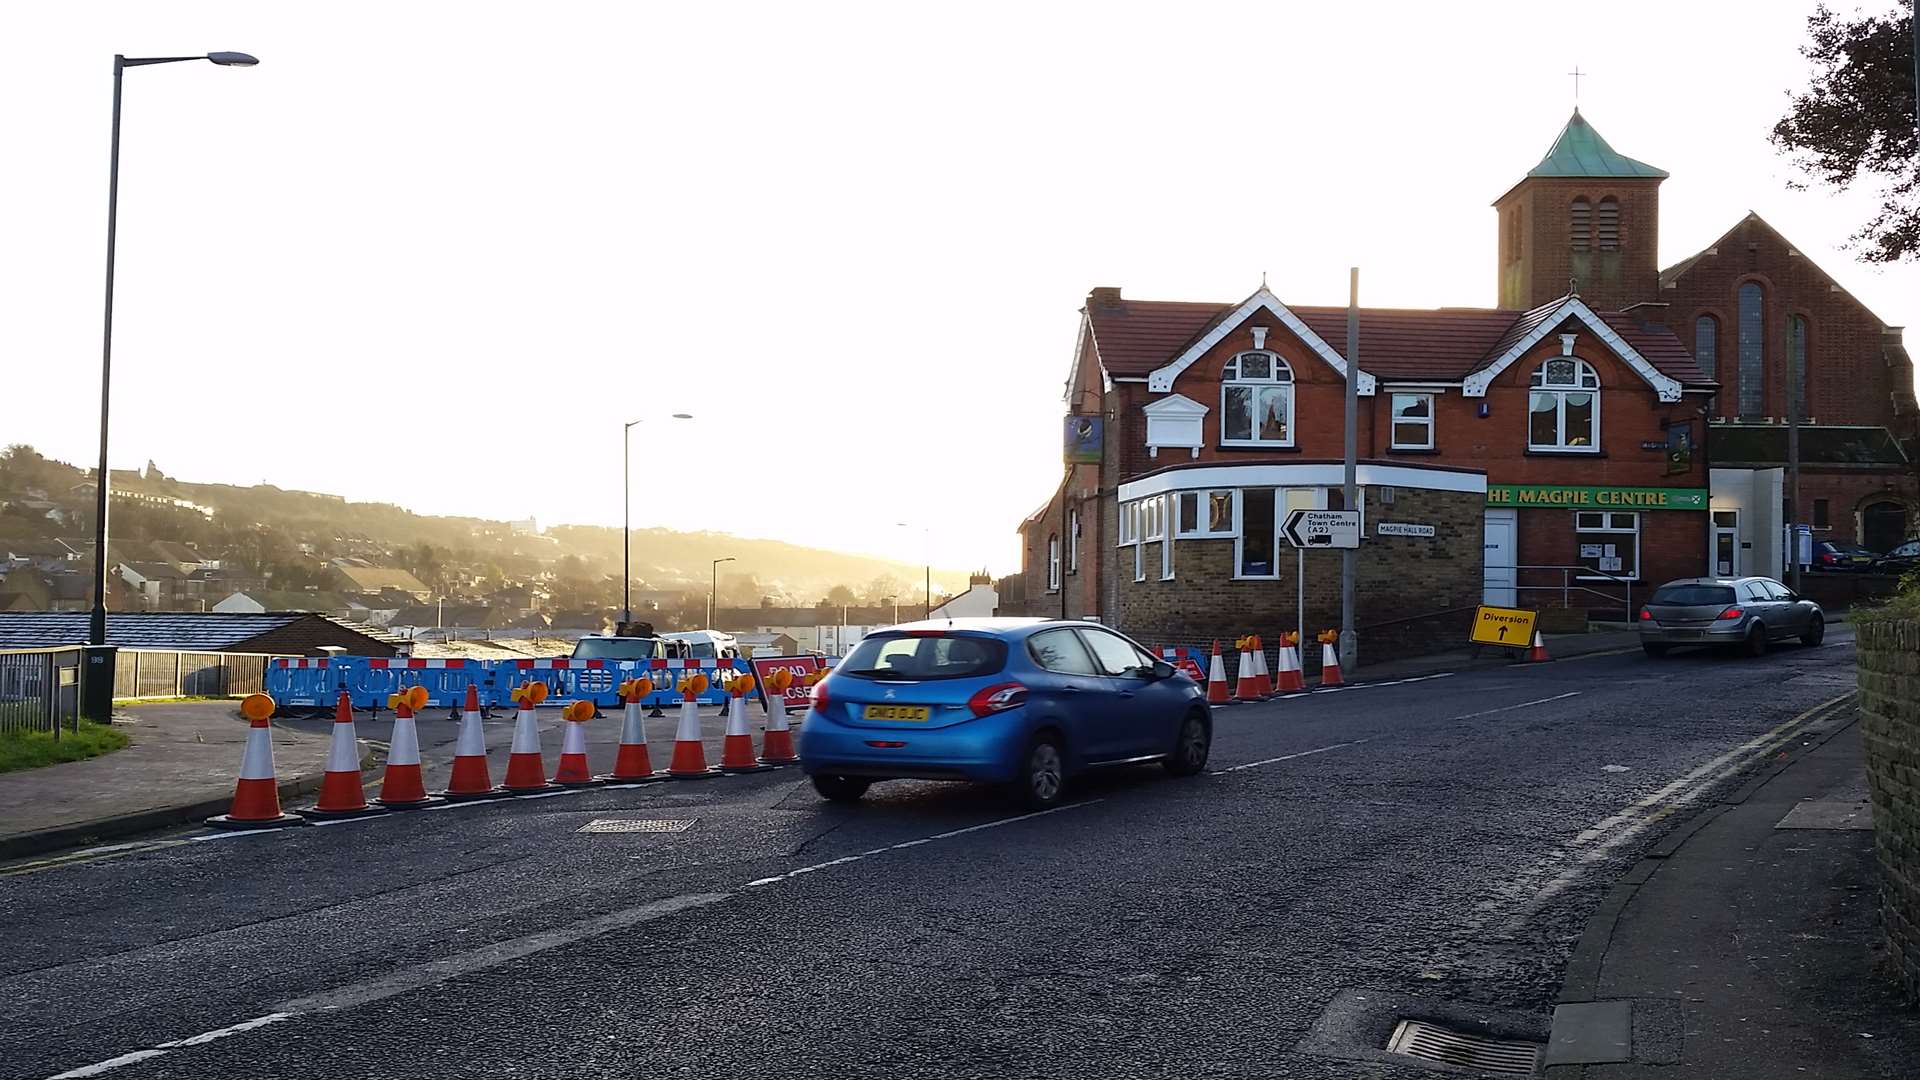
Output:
x=181 y=764
x=1434 y=847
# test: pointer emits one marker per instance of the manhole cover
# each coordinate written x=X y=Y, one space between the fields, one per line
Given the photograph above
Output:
x=1430 y=1042
x=628 y=825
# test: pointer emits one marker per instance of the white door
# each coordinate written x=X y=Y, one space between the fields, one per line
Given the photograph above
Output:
x=1725 y=557
x=1499 y=548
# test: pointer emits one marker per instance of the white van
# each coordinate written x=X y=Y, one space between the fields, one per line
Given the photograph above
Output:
x=703 y=644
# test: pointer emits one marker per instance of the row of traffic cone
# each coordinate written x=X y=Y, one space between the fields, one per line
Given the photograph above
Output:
x=256 y=799
x=1255 y=682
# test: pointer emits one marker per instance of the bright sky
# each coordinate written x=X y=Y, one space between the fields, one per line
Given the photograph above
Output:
x=436 y=254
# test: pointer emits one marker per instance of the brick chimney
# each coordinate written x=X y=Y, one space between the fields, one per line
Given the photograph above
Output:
x=1104 y=296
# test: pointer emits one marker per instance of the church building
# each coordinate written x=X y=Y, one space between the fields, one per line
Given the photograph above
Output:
x=1563 y=450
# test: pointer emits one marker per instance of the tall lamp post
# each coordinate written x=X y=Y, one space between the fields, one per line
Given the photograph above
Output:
x=98 y=691
x=926 y=547
x=713 y=586
x=626 y=513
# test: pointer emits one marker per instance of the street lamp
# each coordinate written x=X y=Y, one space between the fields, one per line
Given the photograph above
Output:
x=713 y=586
x=926 y=538
x=99 y=698
x=626 y=511
x=895 y=601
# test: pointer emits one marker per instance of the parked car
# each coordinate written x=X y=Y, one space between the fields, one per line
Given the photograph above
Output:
x=1901 y=559
x=1027 y=703
x=1840 y=555
x=1750 y=612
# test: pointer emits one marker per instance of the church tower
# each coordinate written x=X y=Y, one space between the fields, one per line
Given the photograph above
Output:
x=1586 y=215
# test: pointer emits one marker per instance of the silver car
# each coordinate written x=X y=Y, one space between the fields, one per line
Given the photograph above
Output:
x=1750 y=612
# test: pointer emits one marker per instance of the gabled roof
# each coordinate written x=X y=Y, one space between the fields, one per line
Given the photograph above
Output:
x=1161 y=378
x=375 y=579
x=1533 y=327
x=188 y=632
x=1670 y=277
x=1134 y=337
x=1580 y=151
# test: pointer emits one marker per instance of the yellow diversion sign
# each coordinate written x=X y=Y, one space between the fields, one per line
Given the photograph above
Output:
x=1512 y=627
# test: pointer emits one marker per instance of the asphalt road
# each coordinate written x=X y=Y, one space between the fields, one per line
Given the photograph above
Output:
x=1444 y=838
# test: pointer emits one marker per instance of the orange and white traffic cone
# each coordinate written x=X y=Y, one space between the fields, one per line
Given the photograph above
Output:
x=341 y=793
x=1246 y=687
x=1289 y=676
x=1539 y=649
x=776 y=746
x=526 y=767
x=470 y=779
x=736 y=751
x=632 y=764
x=1217 y=679
x=256 y=795
x=572 y=770
x=1261 y=676
x=1330 y=661
x=689 y=753
x=402 y=788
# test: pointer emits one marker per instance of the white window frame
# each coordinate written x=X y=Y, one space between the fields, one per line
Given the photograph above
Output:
x=1202 y=516
x=1073 y=541
x=1394 y=421
x=1240 y=535
x=1280 y=374
x=1139 y=562
x=1585 y=381
x=1128 y=524
x=1608 y=527
x=1053 y=562
x=1166 y=557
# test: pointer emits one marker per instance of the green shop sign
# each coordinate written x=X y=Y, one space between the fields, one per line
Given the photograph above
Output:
x=1597 y=498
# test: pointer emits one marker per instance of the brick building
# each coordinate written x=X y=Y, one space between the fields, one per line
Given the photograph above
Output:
x=1559 y=445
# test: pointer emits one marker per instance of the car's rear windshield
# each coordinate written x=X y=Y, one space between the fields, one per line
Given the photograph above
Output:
x=626 y=648
x=924 y=656
x=1694 y=595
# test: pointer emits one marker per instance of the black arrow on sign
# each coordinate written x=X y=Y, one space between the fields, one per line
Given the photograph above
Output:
x=1503 y=633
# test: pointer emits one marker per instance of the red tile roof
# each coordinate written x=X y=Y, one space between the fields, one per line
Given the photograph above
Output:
x=1134 y=337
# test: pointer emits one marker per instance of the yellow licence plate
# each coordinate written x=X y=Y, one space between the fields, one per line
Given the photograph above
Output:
x=896 y=712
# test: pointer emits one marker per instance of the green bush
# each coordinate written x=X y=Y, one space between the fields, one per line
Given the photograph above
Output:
x=32 y=749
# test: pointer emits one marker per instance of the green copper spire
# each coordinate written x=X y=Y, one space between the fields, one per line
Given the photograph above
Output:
x=1580 y=151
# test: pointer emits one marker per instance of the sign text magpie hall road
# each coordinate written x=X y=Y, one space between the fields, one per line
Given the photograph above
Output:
x=1596 y=498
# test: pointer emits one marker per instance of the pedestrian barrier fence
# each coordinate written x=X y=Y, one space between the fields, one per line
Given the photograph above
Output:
x=39 y=689
x=153 y=673
x=369 y=680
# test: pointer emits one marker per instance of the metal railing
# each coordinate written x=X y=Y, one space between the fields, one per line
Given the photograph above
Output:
x=1570 y=584
x=155 y=673
x=39 y=690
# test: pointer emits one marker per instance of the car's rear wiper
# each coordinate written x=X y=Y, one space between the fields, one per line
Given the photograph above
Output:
x=880 y=673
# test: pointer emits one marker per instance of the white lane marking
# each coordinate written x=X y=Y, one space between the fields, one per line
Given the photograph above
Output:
x=228 y=834
x=161 y=1049
x=1367 y=685
x=1290 y=757
x=1522 y=705
x=491 y=956
x=765 y=881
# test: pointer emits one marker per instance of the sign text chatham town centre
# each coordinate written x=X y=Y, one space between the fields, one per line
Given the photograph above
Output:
x=1597 y=498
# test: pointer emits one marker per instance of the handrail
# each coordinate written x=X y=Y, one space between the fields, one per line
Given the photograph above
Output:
x=1567 y=587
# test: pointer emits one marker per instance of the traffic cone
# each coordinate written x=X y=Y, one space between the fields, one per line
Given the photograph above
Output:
x=1262 y=678
x=572 y=770
x=256 y=795
x=470 y=779
x=1217 y=679
x=736 y=751
x=401 y=788
x=1330 y=663
x=341 y=793
x=1246 y=686
x=1539 y=649
x=776 y=746
x=526 y=768
x=689 y=753
x=1289 y=676
x=633 y=765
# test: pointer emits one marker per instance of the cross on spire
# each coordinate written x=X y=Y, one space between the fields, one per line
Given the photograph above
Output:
x=1576 y=73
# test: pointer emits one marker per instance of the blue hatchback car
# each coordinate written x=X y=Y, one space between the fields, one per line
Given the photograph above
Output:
x=1022 y=702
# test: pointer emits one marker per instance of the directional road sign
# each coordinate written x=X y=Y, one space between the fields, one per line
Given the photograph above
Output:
x=1323 y=528
x=1511 y=627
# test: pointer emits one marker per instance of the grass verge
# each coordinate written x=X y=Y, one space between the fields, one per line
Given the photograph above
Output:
x=32 y=749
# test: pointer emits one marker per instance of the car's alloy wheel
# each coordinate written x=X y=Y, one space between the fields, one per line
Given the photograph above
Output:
x=1757 y=640
x=1190 y=751
x=1043 y=777
x=1816 y=632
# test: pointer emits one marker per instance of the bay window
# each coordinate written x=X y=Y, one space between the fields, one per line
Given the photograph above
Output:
x=1564 y=407
x=1205 y=513
x=1256 y=400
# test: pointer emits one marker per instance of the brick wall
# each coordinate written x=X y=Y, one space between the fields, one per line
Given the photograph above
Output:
x=1539 y=269
x=1889 y=667
x=1413 y=595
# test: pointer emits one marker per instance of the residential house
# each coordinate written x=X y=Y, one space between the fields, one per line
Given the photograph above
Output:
x=981 y=600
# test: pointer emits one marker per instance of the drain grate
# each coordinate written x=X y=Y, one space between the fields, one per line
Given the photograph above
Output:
x=633 y=825
x=1430 y=1042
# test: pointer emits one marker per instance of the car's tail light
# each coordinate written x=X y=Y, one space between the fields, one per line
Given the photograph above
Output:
x=819 y=698
x=1828 y=557
x=1646 y=614
x=998 y=698
x=1732 y=613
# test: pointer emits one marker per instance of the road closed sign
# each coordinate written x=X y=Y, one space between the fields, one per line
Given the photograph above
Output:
x=1512 y=627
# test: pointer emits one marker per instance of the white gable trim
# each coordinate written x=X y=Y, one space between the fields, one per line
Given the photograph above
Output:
x=1177 y=405
x=1079 y=351
x=1161 y=380
x=1475 y=385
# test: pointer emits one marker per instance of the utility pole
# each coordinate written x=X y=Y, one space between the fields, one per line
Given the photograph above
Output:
x=1349 y=557
x=1796 y=360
